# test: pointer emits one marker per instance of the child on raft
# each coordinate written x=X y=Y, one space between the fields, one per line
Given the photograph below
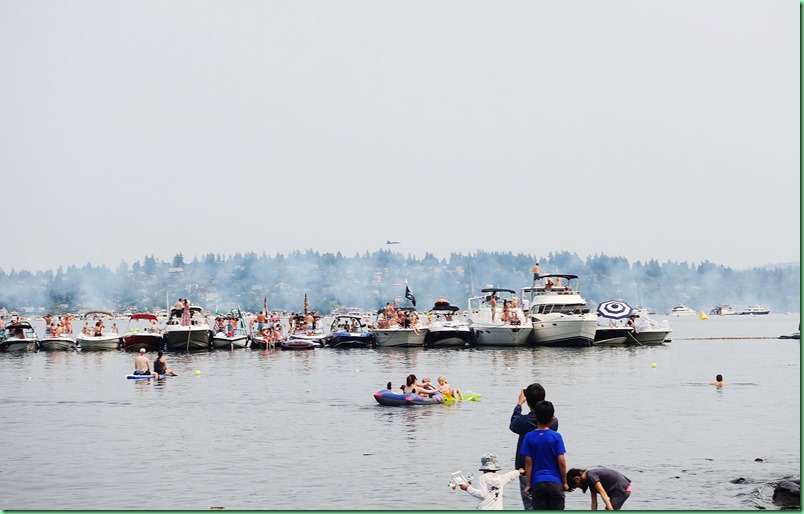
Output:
x=447 y=390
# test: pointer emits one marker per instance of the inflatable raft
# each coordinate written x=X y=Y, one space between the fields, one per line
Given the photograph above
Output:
x=391 y=399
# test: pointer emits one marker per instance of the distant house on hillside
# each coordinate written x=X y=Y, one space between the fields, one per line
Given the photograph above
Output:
x=176 y=270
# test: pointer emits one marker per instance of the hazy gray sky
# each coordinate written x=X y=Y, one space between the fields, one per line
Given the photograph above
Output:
x=641 y=129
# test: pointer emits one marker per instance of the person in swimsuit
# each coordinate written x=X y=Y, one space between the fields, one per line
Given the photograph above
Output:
x=160 y=366
x=142 y=366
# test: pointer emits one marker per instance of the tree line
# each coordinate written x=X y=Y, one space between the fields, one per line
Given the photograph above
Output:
x=370 y=280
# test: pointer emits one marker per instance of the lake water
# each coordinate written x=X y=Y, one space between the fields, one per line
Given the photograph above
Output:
x=260 y=430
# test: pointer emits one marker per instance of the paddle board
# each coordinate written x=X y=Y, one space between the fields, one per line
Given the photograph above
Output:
x=144 y=377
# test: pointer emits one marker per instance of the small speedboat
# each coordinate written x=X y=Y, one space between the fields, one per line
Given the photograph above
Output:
x=299 y=343
x=389 y=398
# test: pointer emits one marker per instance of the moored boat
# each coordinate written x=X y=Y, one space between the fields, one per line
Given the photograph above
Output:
x=754 y=311
x=349 y=331
x=443 y=330
x=187 y=338
x=558 y=313
x=682 y=310
x=20 y=336
x=491 y=330
x=389 y=334
x=149 y=337
x=722 y=310
x=229 y=333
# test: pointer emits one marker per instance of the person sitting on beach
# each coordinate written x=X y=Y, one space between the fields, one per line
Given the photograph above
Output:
x=718 y=381
x=447 y=390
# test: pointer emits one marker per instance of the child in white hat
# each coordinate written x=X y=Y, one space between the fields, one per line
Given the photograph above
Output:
x=489 y=488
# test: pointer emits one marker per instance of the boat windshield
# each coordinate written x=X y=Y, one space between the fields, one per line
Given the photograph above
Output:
x=557 y=308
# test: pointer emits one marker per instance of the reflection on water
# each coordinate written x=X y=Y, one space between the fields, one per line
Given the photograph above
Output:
x=269 y=429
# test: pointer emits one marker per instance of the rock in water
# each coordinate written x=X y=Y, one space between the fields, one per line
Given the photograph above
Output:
x=788 y=493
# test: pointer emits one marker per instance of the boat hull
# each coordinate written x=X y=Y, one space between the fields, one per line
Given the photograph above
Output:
x=349 y=340
x=57 y=344
x=222 y=342
x=613 y=336
x=398 y=338
x=18 y=345
x=150 y=341
x=181 y=338
x=99 y=343
x=565 y=330
x=658 y=336
x=448 y=338
x=295 y=343
x=501 y=335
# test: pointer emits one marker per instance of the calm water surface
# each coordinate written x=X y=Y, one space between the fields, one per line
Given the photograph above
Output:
x=301 y=430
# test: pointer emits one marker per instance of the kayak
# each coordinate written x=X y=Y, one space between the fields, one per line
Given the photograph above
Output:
x=144 y=377
x=392 y=399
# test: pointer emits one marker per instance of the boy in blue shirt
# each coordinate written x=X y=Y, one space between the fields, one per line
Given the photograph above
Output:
x=545 y=467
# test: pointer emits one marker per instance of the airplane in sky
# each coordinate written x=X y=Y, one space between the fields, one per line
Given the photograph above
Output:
x=389 y=242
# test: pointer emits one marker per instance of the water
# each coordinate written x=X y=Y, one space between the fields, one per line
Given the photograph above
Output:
x=300 y=430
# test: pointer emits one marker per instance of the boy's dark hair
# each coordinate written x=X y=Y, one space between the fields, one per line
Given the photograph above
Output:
x=544 y=412
x=719 y=378
x=534 y=393
x=575 y=472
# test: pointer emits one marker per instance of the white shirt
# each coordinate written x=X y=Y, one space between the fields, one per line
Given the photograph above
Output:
x=490 y=489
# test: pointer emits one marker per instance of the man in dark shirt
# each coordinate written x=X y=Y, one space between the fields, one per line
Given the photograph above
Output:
x=522 y=424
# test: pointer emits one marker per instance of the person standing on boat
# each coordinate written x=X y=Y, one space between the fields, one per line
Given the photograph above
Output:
x=160 y=366
x=185 y=315
x=142 y=366
x=493 y=302
x=537 y=272
x=178 y=305
x=523 y=424
x=260 y=321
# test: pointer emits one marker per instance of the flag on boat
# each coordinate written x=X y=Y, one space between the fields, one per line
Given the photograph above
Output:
x=305 y=303
x=410 y=296
x=265 y=304
x=614 y=309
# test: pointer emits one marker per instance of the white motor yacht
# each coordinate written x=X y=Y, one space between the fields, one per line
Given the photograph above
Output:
x=558 y=313
x=491 y=330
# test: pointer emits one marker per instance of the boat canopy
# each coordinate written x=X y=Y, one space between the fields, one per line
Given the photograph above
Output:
x=440 y=307
x=19 y=324
x=194 y=309
x=568 y=277
x=105 y=313
x=143 y=315
x=497 y=290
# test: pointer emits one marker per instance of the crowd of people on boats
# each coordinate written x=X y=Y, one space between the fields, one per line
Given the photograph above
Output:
x=393 y=316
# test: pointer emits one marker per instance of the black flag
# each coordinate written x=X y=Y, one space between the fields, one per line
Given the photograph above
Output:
x=410 y=296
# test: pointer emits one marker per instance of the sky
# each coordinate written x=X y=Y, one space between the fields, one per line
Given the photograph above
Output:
x=645 y=130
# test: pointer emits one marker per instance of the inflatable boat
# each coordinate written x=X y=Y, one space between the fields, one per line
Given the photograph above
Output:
x=391 y=399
